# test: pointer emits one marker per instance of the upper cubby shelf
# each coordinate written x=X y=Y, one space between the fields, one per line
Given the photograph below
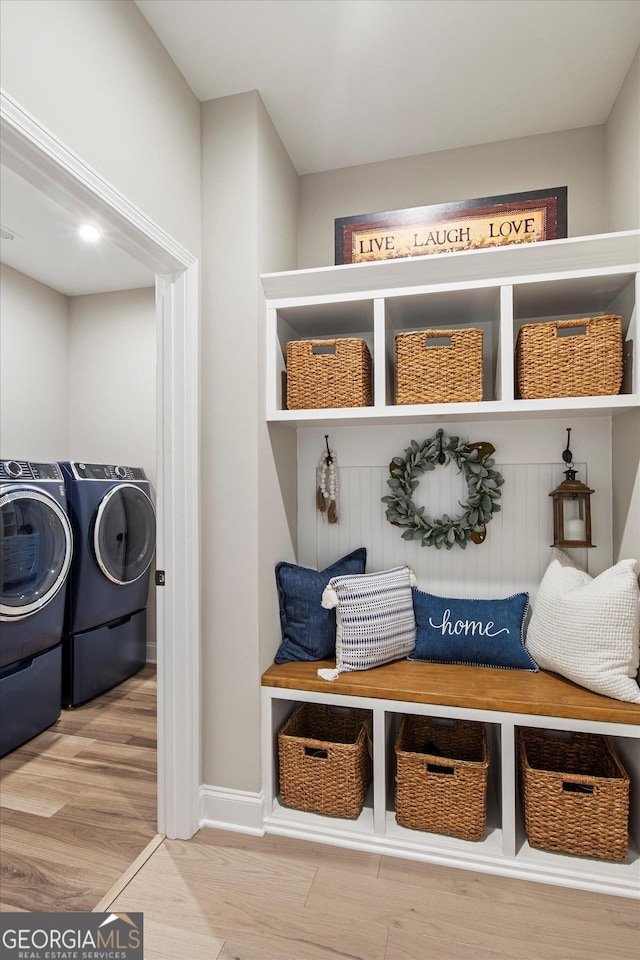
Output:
x=495 y=290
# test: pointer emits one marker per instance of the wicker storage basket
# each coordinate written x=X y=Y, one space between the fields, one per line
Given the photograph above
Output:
x=325 y=765
x=441 y=777
x=585 y=364
x=575 y=794
x=439 y=373
x=328 y=373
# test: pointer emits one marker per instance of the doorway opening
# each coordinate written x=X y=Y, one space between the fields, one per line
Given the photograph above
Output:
x=35 y=154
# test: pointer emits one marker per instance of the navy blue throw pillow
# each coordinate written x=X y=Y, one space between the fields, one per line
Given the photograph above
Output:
x=308 y=630
x=480 y=633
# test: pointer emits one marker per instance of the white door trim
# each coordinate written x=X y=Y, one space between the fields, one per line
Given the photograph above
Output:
x=38 y=156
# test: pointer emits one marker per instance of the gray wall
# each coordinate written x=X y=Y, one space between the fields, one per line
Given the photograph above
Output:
x=34 y=369
x=96 y=75
x=249 y=209
x=573 y=158
x=112 y=378
x=623 y=154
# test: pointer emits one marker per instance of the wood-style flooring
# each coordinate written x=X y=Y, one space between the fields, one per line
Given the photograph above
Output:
x=228 y=896
x=78 y=802
x=78 y=833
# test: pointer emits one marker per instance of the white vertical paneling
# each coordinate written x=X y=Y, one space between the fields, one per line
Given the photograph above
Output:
x=513 y=557
x=518 y=546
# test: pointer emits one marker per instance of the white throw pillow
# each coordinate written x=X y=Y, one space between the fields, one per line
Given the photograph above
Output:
x=375 y=622
x=587 y=628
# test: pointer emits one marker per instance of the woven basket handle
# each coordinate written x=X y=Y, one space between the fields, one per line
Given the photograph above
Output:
x=327 y=348
x=575 y=328
x=441 y=769
x=318 y=753
x=582 y=789
x=439 y=338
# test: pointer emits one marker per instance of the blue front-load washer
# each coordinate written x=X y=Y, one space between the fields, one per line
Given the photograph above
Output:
x=113 y=520
x=36 y=546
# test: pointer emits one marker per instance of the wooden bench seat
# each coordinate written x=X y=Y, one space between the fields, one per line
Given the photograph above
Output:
x=482 y=688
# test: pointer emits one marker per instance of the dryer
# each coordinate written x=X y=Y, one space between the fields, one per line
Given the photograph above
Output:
x=113 y=520
x=36 y=547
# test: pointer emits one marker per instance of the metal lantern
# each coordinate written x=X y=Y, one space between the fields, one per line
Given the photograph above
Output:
x=571 y=508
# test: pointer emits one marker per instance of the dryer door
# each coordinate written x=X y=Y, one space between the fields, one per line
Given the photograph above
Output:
x=124 y=534
x=35 y=550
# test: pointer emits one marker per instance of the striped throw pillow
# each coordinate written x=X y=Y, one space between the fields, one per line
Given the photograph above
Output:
x=375 y=622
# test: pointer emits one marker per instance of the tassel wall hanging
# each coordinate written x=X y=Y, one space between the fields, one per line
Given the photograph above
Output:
x=327 y=492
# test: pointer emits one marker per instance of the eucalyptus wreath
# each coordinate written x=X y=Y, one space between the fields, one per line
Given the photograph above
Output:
x=476 y=464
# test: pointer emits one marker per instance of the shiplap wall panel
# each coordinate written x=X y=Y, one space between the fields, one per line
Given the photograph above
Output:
x=517 y=549
x=513 y=557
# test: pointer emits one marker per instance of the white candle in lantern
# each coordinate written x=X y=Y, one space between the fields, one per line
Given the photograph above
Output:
x=575 y=530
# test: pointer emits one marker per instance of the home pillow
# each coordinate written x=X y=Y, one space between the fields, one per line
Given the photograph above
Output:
x=309 y=631
x=374 y=619
x=586 y=628
x=481 y=633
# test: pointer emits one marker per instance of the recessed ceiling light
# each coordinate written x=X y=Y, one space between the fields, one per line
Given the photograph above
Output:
x=7 y=234
x=89 y=232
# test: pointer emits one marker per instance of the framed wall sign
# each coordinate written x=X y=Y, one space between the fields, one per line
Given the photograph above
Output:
x=449 y=227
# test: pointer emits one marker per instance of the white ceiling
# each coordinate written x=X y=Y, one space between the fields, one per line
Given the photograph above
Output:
x=356 y=81
x=47 y=247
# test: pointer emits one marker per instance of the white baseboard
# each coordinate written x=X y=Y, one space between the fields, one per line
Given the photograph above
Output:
x=152 y=653
x=226 y=809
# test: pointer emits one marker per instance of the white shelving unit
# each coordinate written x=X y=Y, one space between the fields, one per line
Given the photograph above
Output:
x=503 y=849
x=497 y=289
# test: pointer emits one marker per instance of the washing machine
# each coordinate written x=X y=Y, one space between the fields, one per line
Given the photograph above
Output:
x=114 y=528
x=36 y=548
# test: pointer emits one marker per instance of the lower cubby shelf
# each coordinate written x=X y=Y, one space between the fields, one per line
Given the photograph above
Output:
x=503 y=848
x=484 y=856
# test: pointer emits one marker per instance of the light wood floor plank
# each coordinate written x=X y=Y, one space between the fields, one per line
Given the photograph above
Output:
x=78 y=835
x=240 y=951
x=229 y=868
x=296 y=851
x=92 y=766
x=163 y=941
x=124 y=879
x=66 y=849
x=36 y=884
x=405 y=907
x=16 y=796
x=46 y=795
x=52 y=743
x=76 y=809
x=519 y=893
x=410 y=945
x=177 y=877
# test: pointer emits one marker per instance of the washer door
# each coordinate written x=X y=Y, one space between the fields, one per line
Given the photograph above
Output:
x=35 y=550
x=124 y=534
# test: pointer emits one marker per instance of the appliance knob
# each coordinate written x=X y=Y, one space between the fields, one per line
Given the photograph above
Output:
x=121 y=472
x=12 y=468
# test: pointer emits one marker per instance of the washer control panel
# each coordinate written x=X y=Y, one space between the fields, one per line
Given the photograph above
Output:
x=107 y=471
x=27 y=470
